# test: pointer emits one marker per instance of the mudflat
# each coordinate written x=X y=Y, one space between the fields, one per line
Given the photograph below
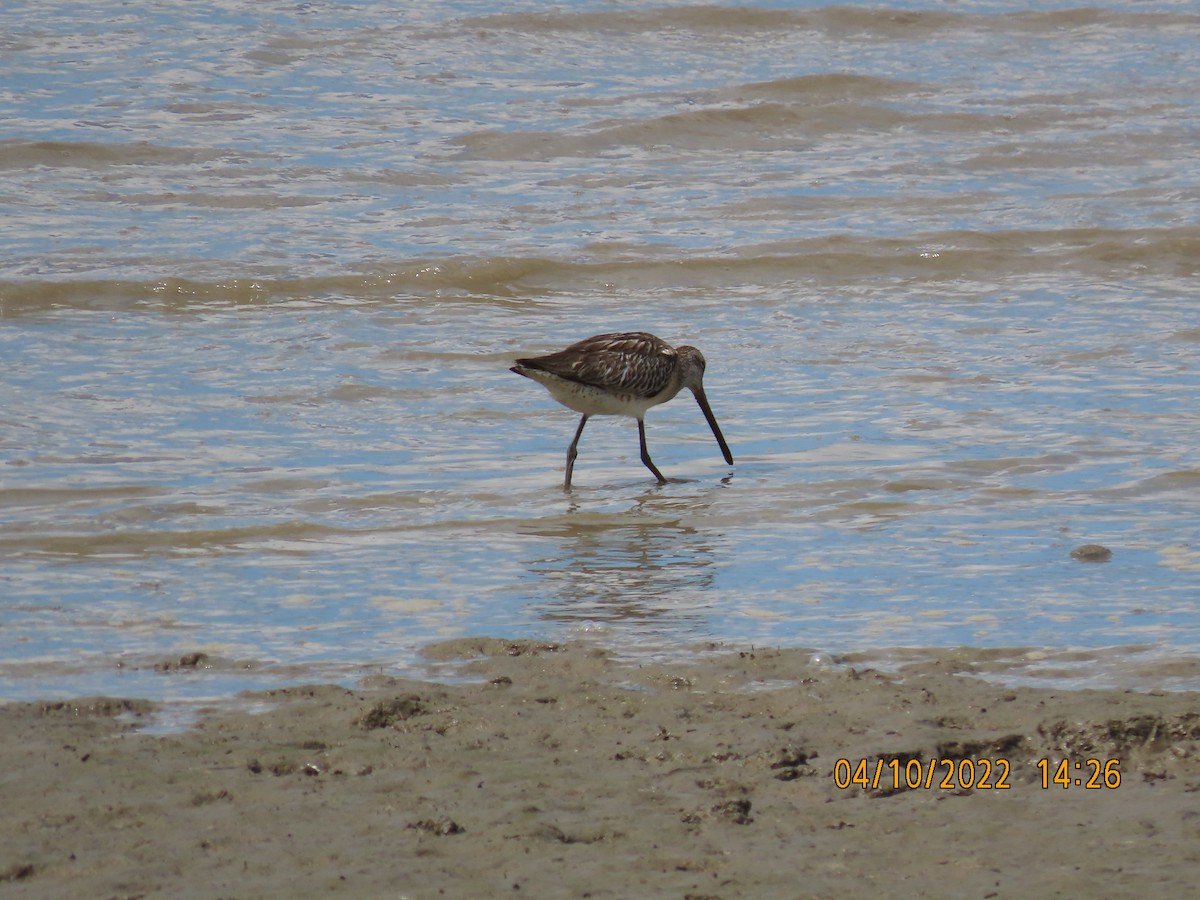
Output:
x=557 y=771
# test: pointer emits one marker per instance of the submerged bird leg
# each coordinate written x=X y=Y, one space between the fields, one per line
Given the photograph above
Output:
x=646 y=453
x=572 y=452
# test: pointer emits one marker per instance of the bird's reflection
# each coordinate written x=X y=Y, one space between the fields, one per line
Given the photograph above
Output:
x=646 y=566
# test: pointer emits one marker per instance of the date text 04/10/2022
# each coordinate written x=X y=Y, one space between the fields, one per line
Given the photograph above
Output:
x=971 y=774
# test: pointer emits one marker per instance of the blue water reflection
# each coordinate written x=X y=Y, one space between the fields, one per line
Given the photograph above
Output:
x=264 y=269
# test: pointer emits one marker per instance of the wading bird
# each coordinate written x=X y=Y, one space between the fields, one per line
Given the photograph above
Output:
x=621 y=374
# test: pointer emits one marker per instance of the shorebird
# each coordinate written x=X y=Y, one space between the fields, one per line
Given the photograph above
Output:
x=621 y=374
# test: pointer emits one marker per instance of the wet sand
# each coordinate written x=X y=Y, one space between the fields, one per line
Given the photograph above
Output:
x=561 y=773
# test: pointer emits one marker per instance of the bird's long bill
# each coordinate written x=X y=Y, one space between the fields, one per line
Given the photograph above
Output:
x=712 y=423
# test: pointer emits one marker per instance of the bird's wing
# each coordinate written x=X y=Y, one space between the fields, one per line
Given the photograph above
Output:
x=629 y=362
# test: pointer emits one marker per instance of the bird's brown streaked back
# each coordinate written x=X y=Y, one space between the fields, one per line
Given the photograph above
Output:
x=631 y=362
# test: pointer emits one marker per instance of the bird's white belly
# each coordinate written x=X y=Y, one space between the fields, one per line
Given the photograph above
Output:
x=593 y=401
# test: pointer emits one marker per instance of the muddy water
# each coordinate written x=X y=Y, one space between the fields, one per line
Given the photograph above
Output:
x=263 y=268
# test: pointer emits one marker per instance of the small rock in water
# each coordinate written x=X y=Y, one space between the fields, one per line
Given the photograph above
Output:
x=1091 y=553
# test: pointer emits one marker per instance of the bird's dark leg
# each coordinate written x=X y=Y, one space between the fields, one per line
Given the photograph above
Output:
x=572 y=452
x=646 y=453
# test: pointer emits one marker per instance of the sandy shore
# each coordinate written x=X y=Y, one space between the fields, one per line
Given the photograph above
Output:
x=563 y=774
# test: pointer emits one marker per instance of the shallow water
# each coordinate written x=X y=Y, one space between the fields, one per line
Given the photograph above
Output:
x=264 y=267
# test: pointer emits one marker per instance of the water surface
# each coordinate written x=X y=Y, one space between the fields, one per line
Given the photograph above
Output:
x=263 y=268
